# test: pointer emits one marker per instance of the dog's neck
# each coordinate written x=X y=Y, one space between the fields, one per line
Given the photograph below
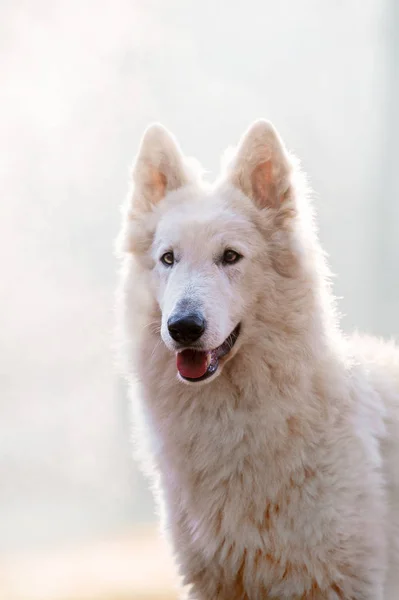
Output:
x=275 y=370
x=268 y=398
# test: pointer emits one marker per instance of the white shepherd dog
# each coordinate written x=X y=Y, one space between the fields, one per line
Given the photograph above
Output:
x=272 y=439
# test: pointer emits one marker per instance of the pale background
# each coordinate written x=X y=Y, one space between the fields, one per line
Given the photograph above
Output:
x=79 y=81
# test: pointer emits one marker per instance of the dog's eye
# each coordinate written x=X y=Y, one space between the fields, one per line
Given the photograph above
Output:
x=168 y=259
x=230 y=257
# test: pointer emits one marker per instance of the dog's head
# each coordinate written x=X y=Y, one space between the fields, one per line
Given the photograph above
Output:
x=214 y=256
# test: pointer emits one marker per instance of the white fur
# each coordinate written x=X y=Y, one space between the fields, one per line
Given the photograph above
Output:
x=278 y=477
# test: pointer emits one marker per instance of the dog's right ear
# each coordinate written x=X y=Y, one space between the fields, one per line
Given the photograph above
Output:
x=261 y=167
x=159 y=168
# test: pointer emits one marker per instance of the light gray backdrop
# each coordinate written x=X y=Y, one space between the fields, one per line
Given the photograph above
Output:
x=79 y=81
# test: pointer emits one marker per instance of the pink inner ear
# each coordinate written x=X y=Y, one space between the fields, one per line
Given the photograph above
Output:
x=264 y=185
x=156 y=185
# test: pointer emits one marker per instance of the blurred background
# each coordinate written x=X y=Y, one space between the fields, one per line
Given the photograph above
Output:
x=79 y=81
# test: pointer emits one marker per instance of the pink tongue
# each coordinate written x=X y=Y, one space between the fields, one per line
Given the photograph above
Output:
x=192 y=364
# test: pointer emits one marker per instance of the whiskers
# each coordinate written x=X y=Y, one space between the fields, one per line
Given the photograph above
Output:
x=155 y=348
x=230 y=343
x=153 y=326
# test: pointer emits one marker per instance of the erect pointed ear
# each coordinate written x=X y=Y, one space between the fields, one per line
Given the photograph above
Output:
x=261 y=167
x=159 y=168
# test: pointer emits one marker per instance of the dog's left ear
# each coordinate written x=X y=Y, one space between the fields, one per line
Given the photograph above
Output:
x=159 y=168
x=261 y=167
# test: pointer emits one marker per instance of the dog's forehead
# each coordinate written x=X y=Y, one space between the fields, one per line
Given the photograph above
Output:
x=202 y=220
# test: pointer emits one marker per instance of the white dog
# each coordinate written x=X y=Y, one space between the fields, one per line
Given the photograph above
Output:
x=272 y=437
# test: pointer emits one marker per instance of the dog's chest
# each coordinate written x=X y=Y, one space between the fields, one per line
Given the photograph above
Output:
x=252 y=513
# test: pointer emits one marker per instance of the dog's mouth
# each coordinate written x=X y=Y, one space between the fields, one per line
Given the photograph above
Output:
x=197 y=365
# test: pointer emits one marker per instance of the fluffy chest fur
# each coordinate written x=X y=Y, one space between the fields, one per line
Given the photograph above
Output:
x=265 y=497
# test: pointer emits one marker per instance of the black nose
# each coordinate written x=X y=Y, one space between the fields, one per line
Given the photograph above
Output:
x=186 y=328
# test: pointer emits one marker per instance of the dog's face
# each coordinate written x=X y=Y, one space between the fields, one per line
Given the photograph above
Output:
x=205 y=271
x=208 y=251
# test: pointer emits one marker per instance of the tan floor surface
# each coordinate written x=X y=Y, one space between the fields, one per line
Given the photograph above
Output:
x=132 y=567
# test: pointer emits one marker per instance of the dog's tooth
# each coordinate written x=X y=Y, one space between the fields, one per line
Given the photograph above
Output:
x=208 y=359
